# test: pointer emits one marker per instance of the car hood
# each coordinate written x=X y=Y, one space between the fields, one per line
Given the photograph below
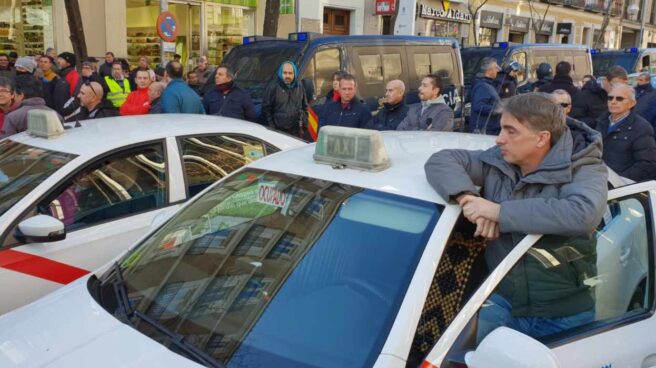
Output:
x=69 y=329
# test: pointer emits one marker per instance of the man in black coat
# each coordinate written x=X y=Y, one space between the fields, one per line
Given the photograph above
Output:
x=629 y=145
x=284 y=106
x=394 y=109
x=227 y=99
x=348 y=111
x=92 y=103
x=506 y=82
x=646 y=99
x=562 y=80
x=591 y=102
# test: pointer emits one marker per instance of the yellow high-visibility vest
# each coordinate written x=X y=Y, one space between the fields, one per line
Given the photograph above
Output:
x=117 y=94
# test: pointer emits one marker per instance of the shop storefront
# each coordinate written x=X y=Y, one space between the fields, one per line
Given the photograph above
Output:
x=564 y=30
x=204 y=27
x=490 y=25
x=518 y=28
x=444 y=20
x=545 y=32
x=26 y=26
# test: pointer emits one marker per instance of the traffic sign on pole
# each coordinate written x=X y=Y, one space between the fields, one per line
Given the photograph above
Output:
x=167 y=26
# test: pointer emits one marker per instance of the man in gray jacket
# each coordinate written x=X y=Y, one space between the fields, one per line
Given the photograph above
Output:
x=535 y=181
x=432 y=113
x=29 y=88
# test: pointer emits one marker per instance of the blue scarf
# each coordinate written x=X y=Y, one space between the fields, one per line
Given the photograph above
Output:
x=281 y=80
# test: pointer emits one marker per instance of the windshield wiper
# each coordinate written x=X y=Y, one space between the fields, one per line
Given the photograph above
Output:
x=120 y=289
x=180 y=342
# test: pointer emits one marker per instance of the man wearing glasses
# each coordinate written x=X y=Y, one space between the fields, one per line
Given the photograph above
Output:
x=629 y=145
x=92 y=104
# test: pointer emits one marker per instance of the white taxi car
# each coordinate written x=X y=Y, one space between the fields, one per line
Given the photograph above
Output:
x=292 y=262
x=72 y=203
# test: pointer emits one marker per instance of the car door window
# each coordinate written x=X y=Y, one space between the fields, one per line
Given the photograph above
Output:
x=119 y=185
x=209 y=158
x=564 y=289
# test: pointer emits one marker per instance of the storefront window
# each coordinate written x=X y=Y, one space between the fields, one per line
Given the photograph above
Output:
x=226 y=27
x=488 y=36
x=141 y=32
x=26 y=27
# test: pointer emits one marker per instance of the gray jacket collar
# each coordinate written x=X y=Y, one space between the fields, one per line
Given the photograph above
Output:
x=556 y=168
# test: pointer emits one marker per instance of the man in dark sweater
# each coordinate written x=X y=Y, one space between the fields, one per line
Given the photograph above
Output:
x=562 y=80
x=394 y=108
x=348 y=111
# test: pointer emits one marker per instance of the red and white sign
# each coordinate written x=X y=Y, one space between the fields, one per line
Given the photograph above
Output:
x=269 y=194
x=385 y=7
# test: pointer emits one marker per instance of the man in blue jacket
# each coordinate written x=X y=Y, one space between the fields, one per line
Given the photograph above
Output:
x=177 y=96
x=485 y=100
x=227 y=99
x=348 y=111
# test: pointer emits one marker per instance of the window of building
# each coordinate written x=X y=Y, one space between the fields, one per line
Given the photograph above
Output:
x=26 y=27
x=286 y=6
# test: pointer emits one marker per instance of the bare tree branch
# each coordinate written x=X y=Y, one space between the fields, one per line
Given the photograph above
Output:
x=539 y=22
x=474 y=6
x=604 y=24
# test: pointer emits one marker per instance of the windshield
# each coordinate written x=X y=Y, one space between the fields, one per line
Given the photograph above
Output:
x=602 y=62
x=473 y=57
x=271 y=269
x=23 y=168
x=256 y=64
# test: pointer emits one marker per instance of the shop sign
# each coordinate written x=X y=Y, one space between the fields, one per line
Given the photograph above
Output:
x=446 y=13
x=564 y=28
x=167 y=26
x=547 y=28
x=519 y=24
x=385 y=7
x=491 y=19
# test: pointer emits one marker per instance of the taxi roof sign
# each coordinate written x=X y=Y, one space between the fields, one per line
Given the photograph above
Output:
x=352 y=148
x=44 y=124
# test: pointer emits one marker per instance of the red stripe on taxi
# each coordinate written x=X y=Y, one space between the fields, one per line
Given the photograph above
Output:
x=37 y=266
x=427 y=364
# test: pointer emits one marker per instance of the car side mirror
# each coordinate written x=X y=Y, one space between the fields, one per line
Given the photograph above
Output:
x=40 y=229
x=308 y=86
x=507 y=348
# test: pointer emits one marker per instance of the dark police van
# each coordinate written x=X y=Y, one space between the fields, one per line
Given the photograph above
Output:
x=529 y=56
x=373 y=60
x=634 y=60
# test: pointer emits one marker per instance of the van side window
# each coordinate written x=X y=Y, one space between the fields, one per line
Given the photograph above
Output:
x=392 y=68
x=520 y=57
x=435 y=63
x=372 y=68
x=321 y=68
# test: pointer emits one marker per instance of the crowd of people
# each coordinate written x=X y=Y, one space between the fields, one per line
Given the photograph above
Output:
x=625 y=116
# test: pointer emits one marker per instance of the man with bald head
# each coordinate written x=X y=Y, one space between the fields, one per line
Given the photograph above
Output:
x=394 y=108
x=92 y=104
x=154 y=93
x=629 y=145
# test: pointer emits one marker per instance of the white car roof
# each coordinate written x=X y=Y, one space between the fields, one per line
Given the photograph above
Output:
x=106 y=134
x=408 y=152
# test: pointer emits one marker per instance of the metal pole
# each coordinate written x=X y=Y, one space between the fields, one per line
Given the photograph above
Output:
x=297 y=8
x=163 y=6
x=642 y=22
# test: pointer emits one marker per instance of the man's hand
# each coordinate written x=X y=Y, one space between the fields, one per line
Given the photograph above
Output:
x=474 y=208
x=487 y=229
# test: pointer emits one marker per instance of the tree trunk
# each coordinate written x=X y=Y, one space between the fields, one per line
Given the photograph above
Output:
x=271 y=15
x=604 y=24
x=77 y=31
x=474 y=14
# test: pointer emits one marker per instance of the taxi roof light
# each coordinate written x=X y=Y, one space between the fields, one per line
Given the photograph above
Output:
x=44 y=124
x=352 y=148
